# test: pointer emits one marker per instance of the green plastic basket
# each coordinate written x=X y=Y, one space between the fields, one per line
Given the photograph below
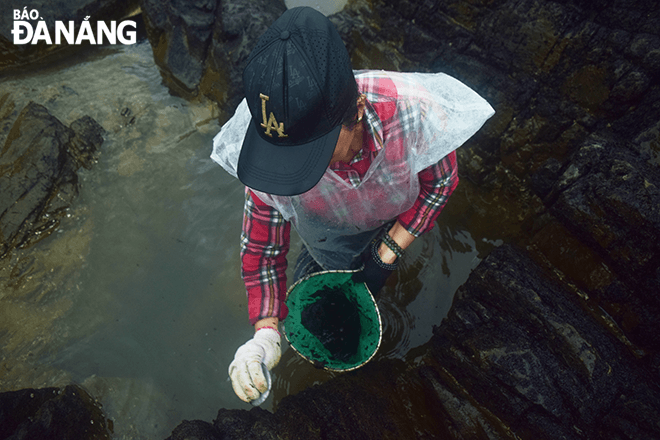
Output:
x=304 y=293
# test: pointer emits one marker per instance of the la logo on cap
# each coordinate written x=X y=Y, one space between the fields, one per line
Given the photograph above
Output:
x=271 y=123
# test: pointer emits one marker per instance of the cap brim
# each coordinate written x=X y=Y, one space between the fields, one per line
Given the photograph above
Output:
x=284 y=170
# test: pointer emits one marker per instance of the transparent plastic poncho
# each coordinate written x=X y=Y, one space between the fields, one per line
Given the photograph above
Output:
x=416 y=119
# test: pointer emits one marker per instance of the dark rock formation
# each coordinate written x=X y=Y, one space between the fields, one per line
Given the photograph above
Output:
x=13 y=56
x=38 y=165
x=609 y=197
x=201 y=46
x=230 y=425
x=524 y=345
x=52 y=413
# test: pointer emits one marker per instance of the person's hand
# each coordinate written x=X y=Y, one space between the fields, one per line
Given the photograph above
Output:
x=246 y=373
x=375 y=272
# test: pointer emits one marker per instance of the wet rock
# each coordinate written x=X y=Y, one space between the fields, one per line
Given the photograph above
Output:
x=375 y=403
x=201 y=46
x=616 y=190
x=527 y=348
x=52 y=413
x=609 y=197
x=545 y=177
x=553 y=74
x=237 y=424
x=38 y=165
x=13 y=56
x=180 y=33
x=88 y=137
x=242 y=23
x=230 y=425
x=195 y=430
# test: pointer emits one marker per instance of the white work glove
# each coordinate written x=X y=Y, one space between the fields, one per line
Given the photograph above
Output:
x=250 y=381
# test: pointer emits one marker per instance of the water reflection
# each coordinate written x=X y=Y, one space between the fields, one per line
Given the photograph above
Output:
x=138 y=296
x=422 y=293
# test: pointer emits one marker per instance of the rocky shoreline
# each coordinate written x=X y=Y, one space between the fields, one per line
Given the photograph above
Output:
x=554 y=334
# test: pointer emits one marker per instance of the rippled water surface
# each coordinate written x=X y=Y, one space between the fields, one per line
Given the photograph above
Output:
x=137 y=296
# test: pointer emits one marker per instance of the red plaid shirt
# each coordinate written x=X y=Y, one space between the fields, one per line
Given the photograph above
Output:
x=265 y=235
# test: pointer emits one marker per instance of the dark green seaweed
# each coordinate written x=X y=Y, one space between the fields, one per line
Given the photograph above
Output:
x=334 y=320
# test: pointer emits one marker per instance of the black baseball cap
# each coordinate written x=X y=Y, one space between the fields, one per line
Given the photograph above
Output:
x=298 y=83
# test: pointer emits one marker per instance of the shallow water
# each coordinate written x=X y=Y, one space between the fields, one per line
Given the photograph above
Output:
x=138 y=295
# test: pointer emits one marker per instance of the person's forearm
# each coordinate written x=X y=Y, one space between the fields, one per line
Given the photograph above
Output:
x=401 y=236
x=266 y=322
x=265 y=238
x=437 y=183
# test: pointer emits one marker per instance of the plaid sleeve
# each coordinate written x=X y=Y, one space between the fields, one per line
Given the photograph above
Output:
x=437 y=182
x=264 y=245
